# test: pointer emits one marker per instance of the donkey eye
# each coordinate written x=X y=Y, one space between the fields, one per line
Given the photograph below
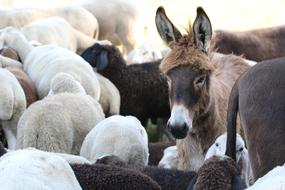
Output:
x=241 y=149
x=199 y=81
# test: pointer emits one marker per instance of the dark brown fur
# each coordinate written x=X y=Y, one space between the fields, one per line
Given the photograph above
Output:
x=258 y=45
x=258 y=96
x=107 y=177
x=188 y=60
x=142 y=87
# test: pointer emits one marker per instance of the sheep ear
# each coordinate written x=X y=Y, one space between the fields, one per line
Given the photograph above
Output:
x=167 y=31
x=202 y=30
x=238 y=184
x=102 y=60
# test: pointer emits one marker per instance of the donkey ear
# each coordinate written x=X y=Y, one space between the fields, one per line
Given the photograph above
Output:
x=167 y=31
x=102 y=60
x=202 y=30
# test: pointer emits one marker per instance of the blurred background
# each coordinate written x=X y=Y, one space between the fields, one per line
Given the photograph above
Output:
x=224 y=14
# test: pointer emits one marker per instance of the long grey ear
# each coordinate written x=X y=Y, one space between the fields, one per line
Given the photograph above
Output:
x=202 y=30
x=167 y=31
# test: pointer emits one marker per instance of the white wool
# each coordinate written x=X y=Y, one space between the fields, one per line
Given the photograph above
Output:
x=35 y=169
x=144 y=53
x=273 y=180
x=122 y=136
x=170 y=158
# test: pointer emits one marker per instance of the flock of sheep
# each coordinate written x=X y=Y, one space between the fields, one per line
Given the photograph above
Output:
x=74 y=108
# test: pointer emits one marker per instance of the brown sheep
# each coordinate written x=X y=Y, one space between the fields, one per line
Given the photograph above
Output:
x=199 y=87
x=258 y=97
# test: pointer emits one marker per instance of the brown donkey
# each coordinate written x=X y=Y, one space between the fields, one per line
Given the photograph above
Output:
x=199 y=87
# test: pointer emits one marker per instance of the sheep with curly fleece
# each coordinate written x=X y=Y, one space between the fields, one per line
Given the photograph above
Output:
x=100 y=176
x=219 y=173
x=110 y=98
x=57 y=31
x=168 y=179
x=59 y=122
x=78 y=17
x=42 y=63
x=219 y=148
x=117 y=135
x=12 y=105
x=35 y=169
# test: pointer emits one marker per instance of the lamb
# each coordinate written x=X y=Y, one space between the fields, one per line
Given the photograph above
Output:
x=219 y=173
x=110 y=98
x=219 y=148
x=42 y=63
x=57 y=31
x=143 y=90
x=170 y=158
x=59 y=122
x=145 y=52
x=260 y=107
x=156 y=151
x=167 y=179
x=12 y=105
x=81 y=19
x=126 y=26
x=35 y=169
x=122 y=136
x=99 y=176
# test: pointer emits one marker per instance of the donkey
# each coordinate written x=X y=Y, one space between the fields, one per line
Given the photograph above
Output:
x=258 y=96
x=199 y=87
x=257 y=45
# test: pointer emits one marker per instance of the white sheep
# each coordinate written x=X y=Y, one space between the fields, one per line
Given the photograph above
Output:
x=273 y=180
x=110 y=98
x=117 y=135
x=170 y=158
x=42 y=63
x=35 y=169
x=120 y=21
x=12 y=105
x=59 y=122
x=145 y=52
x=56 y=30
x=78 y=17
x=218 y=148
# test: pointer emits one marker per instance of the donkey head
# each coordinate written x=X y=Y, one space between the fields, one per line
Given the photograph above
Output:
x=188 y=71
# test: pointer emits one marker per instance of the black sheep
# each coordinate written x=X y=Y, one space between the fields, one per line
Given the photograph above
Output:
x=168 y=179
x=100 y=176
x=143 y=89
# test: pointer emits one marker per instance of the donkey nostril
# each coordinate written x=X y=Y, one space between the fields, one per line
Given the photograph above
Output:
x=184 y=126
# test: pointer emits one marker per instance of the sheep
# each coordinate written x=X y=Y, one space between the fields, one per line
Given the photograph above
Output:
x=57 y=31
x=6 y=61
x=168 y=179
x=100 y=176
x=156 y=151
x=219 y=173
x=126 y=26
x=170 y=158
x=12 y=105
x=273 y=180
x=59 y=122
x=110 y=98
x=145 y=52
x=219 y=148
x=43 y=62
x=35 y=169
x=122 y=136
x=81 y=19
x=143 y=89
